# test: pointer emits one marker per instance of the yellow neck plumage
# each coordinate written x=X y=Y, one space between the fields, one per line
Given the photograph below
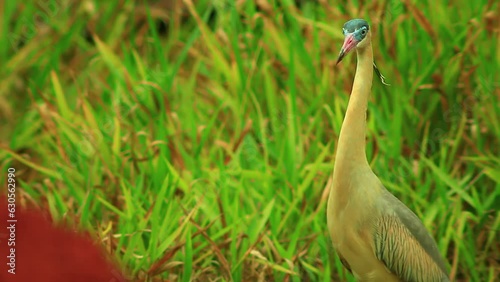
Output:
x=351 y=152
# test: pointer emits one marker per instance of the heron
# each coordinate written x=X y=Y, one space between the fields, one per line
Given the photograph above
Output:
x=376 y=237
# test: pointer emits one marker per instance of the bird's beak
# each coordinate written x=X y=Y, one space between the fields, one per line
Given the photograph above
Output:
x=349 y=43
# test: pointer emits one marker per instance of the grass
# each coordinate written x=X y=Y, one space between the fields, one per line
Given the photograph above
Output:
x=200 y=149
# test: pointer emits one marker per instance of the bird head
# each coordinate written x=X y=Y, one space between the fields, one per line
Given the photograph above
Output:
x=357 y=34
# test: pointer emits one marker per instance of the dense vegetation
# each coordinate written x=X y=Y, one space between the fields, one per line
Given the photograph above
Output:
x=196 y=140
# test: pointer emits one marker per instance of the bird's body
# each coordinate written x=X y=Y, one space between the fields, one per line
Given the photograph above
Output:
x=376 y=236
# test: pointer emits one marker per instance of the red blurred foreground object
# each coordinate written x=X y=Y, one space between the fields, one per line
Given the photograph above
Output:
x=35 y=250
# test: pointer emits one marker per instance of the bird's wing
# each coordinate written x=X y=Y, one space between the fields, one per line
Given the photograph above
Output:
x=405 y=247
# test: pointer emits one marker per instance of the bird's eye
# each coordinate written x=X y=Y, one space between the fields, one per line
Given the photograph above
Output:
x=363 y=32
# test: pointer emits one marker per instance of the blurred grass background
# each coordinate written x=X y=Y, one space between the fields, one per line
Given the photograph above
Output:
x=196 y=138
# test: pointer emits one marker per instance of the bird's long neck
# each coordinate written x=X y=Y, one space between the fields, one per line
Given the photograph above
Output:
x=351 y=152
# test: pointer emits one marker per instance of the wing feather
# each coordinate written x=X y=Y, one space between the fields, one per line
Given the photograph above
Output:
x=407 y=250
